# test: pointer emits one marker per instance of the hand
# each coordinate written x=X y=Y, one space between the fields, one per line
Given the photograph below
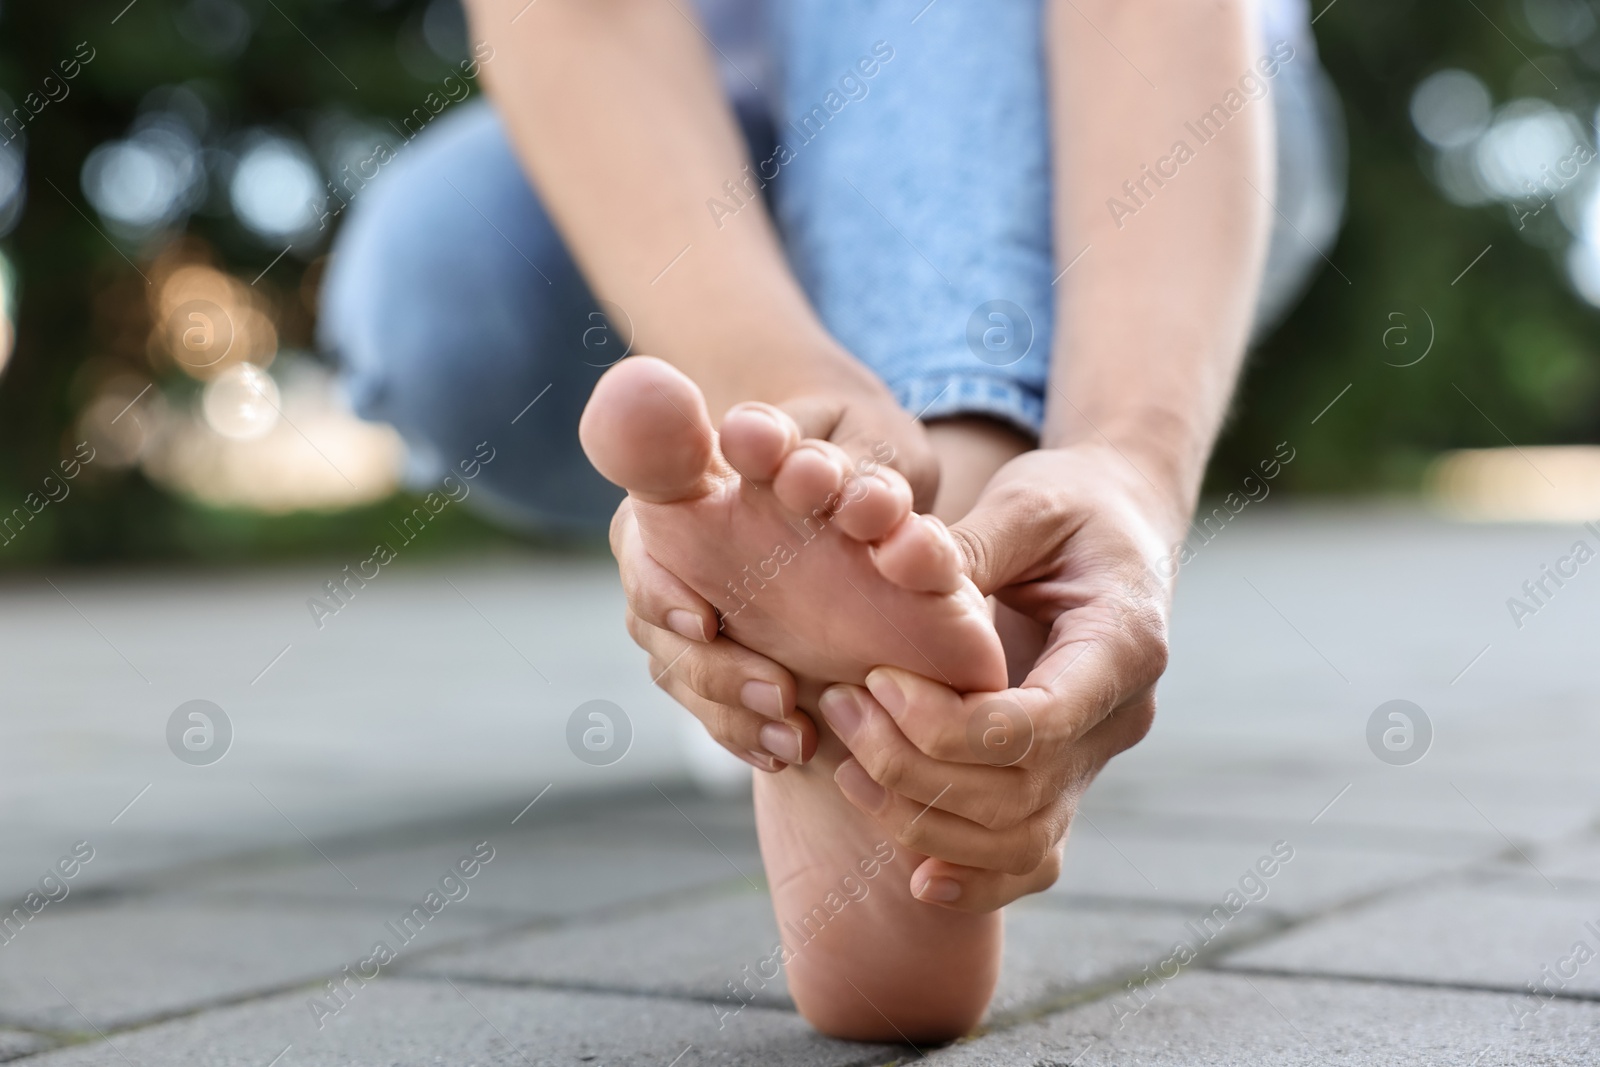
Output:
x=745 y=700
x=1070 y=540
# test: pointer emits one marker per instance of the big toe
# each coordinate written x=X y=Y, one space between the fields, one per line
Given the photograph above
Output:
x=646 y=429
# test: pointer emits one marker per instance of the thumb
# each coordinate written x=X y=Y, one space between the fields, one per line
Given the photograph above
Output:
x=1009 y=536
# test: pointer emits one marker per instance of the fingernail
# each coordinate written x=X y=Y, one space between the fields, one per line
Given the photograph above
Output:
x=882 y=686
x=782 y=741
x=856 y=784
x=762 y=761
x=686 y=624
x=939 y=891
x=763 y=698
x=843 y=713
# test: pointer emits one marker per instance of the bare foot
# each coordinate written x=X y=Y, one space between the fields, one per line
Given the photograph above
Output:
x=825 y=569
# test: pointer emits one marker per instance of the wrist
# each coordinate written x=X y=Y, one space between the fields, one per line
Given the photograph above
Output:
x=1159 y=458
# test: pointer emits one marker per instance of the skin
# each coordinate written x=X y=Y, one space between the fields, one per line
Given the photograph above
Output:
x=1152 y=325
x=1069 y=536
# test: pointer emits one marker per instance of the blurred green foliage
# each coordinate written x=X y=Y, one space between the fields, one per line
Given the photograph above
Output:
x=1511 y=335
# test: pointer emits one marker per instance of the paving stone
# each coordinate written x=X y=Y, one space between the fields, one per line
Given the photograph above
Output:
x=553 y=864
x=692 y=950
x=1565 y=861
x=15 y=1044
x=549 y=880
x=1054 y=948
x=126 y=961
x=404 y=1021
x=1198 y=871
x=1204 y=1019
x=698 y=948
x=1499 y=934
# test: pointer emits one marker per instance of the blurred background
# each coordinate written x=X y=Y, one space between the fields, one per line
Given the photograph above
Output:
x=183 y=165
x=166 y=211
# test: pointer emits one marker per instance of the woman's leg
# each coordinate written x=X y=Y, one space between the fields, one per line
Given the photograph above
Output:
x=452 y=306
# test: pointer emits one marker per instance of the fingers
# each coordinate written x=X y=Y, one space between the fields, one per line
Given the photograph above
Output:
x=654 y=594
x=923 y=828
x=994 y=798
x=932 y=716
x=723 y=671
x=759 y=741
x=972 y=889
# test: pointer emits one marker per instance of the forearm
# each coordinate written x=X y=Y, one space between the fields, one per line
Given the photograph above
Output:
x=1154 y=318
x=614 y=110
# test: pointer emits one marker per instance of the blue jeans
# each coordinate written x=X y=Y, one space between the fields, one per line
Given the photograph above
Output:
x=906 y=159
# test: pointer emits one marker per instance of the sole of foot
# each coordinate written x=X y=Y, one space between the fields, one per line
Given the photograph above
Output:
x=816 y=560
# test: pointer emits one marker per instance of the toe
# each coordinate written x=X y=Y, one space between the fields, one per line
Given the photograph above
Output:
x=646 y=429
x=920 y=554
x=756 y=438
x=874 y=504
x=810 y=477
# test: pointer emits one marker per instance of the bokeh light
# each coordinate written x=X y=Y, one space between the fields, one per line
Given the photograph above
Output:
x=206 y=321
x=147 y=181
x=13 y=190
x=316 y=456
x=276 y=190
x=242 y=402
x=1450 y=108
x=1523 y=147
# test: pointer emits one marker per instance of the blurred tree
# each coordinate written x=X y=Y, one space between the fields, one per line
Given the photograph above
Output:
x=208 y=80
x=1514 y=353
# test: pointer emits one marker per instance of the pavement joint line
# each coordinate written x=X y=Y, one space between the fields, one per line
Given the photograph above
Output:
x=408 y=969
x=1463 y=986
x=1274 y=925
x=87 y=1020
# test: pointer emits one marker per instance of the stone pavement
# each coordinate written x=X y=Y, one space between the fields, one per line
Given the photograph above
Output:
x=1262 y=881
